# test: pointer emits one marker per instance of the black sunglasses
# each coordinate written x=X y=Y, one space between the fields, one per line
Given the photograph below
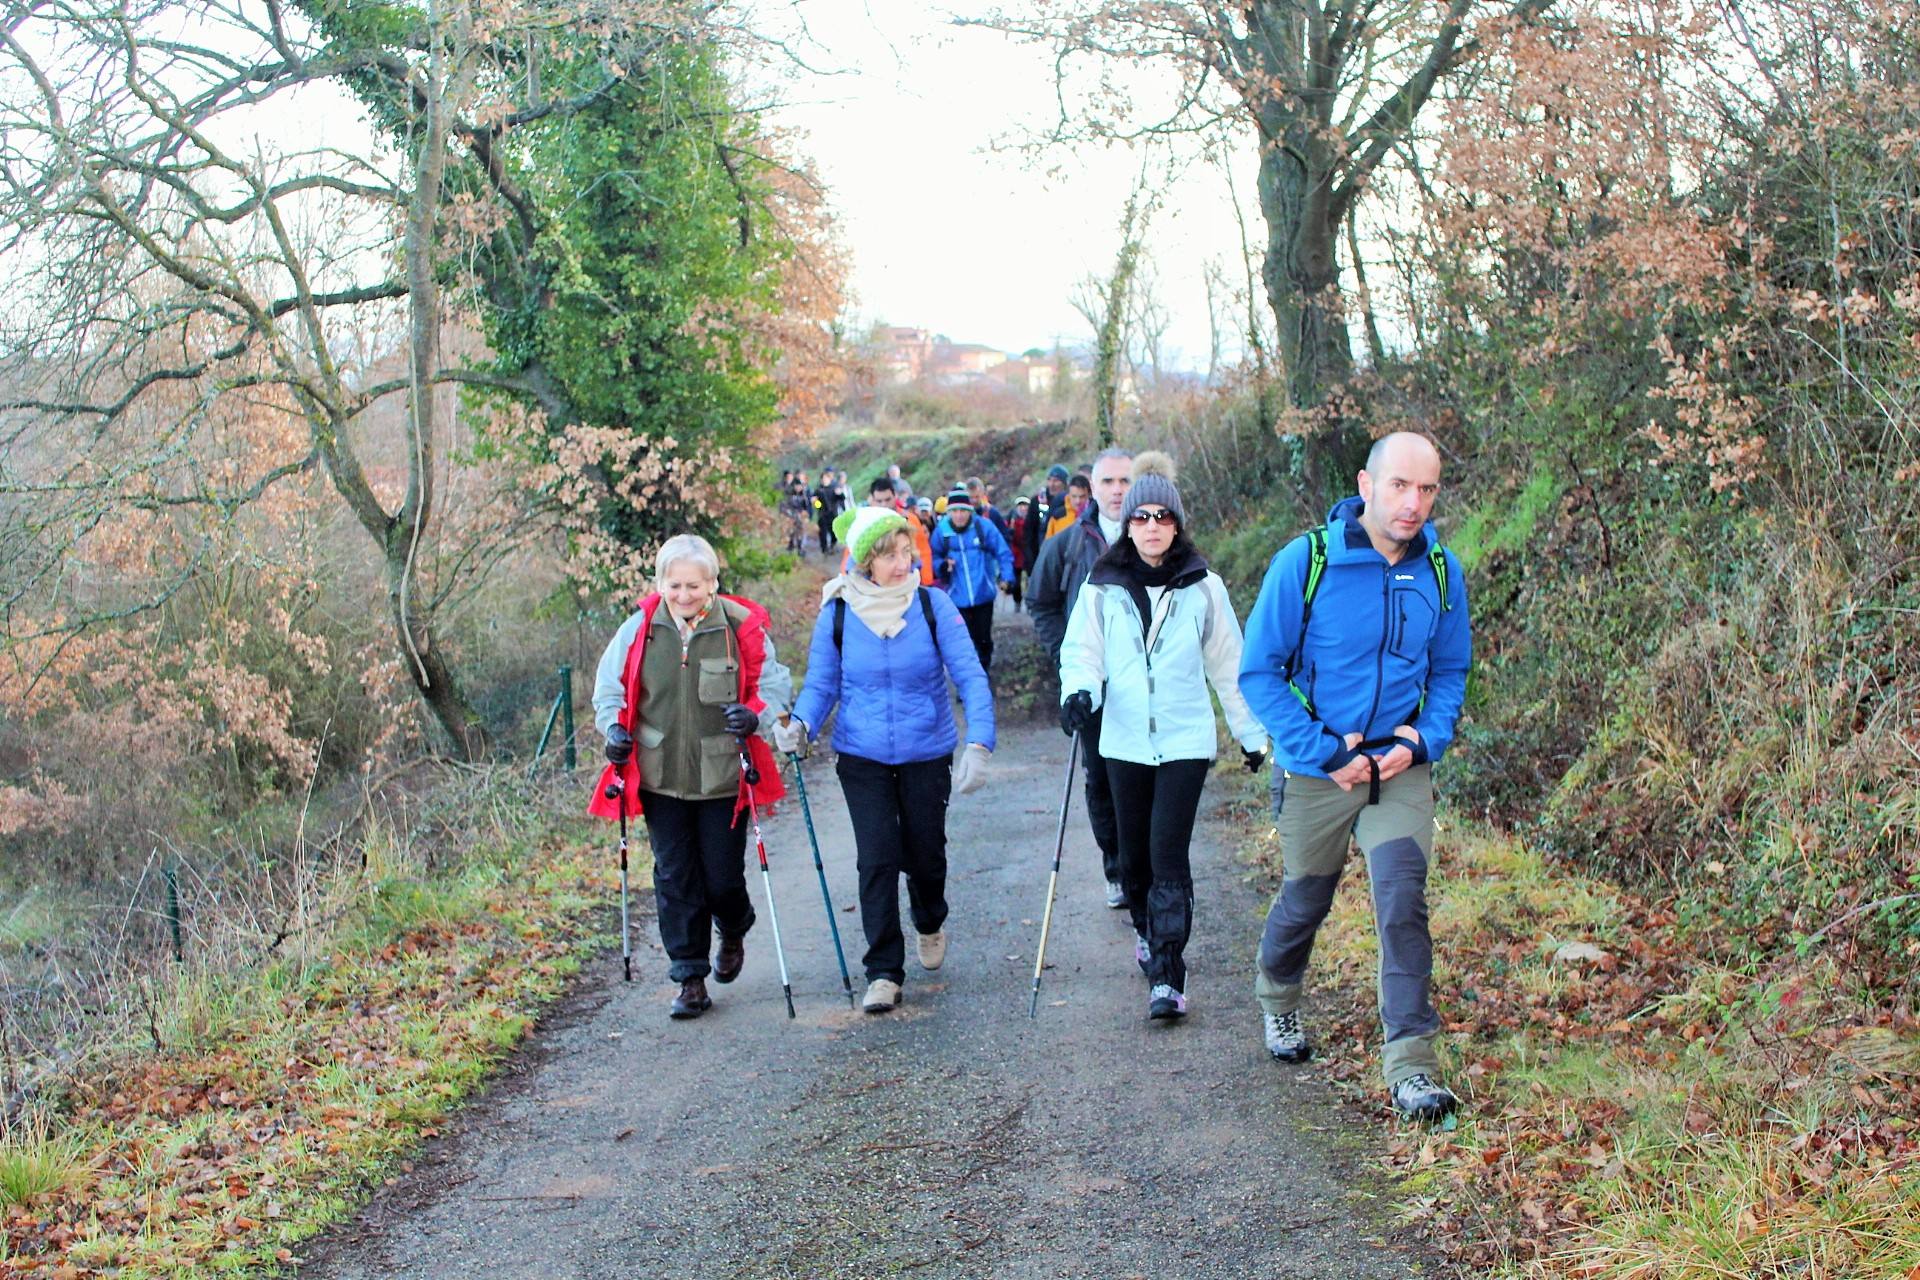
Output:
x=1162 y=516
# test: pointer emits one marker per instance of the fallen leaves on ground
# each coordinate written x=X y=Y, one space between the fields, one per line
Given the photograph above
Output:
x=1634 y=1109
x=226 y=1156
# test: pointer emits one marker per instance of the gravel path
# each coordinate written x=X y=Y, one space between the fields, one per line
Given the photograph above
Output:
x=951 y=1138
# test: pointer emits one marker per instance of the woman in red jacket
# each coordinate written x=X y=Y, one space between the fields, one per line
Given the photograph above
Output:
x=685 y=685
x=1018 y=540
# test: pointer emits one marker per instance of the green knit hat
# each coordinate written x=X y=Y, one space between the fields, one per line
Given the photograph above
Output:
x=862 y=527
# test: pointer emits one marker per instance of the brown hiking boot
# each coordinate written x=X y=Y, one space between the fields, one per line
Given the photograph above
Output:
x=692 y=1000
x=730 y=960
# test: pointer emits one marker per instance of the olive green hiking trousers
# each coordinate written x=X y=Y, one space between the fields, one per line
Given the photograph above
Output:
x=1315 y=818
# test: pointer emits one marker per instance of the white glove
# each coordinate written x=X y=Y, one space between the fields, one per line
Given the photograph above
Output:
x=971 y=773
x=790 y=735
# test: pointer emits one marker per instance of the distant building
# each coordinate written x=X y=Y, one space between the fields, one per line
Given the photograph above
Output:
x=901 y=355
x=1034 y=377
x=965 y=358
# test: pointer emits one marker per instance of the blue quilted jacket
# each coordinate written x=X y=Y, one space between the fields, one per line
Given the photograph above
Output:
x=892 y=694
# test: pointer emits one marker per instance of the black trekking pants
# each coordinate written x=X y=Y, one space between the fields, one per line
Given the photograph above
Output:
x=1154 y=807
x=1100 y=800
x=827 y=539
x=699 y=877
x=899 y=814
x=979 y=620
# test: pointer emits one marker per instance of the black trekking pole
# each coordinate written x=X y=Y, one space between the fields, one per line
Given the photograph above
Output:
x=616 y=790
x=752 y=776
x=833 y=923
x=1053 y=881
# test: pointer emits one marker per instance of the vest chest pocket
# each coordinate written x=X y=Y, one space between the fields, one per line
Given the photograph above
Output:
x=719 y=683
x=1412 y=624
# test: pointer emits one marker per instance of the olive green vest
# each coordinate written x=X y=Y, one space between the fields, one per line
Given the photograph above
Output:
x=684 y=748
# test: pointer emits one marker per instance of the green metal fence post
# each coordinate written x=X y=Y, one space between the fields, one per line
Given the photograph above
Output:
x=566 y=713
x=173 y=910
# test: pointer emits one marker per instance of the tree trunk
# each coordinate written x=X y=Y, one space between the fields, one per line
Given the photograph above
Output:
x=1302 y=279
x=465 y=735
x=461 y=733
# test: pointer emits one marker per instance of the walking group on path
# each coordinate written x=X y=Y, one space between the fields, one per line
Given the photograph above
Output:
x=1351 y=675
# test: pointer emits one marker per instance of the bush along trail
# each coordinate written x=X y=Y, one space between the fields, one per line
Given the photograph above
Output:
x=303 y=1085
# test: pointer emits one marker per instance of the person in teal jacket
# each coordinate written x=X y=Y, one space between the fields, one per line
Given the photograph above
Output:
x=973 y=562
x=884 y=648
x=1356 y=661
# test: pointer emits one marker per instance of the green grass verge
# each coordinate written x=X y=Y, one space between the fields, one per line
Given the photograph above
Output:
x=300 y=1085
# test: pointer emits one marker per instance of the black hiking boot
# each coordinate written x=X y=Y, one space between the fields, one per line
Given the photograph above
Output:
x=692 y=1000
x=731 y=959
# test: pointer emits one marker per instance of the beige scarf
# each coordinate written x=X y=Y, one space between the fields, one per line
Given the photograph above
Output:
x=883 y=609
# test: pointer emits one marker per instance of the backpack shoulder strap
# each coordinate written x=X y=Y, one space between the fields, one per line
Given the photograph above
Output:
x=926 y=611
x=1437 y=557
x=839 y=622
x=1316 y=570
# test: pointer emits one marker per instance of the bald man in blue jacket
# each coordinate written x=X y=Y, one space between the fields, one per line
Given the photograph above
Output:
x=1356 y=662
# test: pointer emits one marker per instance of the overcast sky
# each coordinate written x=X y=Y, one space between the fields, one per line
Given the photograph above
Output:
x=949 y=233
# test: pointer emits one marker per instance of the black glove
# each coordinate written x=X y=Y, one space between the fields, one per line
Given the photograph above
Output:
x=741 y=720
x=1076 y=713
x=619 y=745
x=1255 y=759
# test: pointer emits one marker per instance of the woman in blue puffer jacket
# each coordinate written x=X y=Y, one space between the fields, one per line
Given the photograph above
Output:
x=883 y=650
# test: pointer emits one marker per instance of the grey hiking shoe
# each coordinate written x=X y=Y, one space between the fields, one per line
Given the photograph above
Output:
x=1163 y=1002
x=1286 y=1038
x=1421 y=1097
x=933 y=949
x=1116 y=895
x=1142 y=951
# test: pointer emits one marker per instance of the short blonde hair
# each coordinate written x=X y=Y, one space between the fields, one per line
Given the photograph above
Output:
x=881 y=546
x=685 y=547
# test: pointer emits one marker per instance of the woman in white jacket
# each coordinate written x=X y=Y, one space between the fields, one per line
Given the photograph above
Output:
x=1149 y=631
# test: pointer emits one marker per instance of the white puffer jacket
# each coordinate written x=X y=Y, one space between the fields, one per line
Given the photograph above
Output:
x=1151 y=674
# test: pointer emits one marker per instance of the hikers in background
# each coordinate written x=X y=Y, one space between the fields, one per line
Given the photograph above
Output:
x=826 y=506
x=683 y=687
x=796 y=507
x=1043 y=507
x=1063 y=567
x=1149 y=631
x=975 y=566
x=883 y=650
x=1357 y=655
x=1017 y=529
x=1079 y=497
x=901 y=489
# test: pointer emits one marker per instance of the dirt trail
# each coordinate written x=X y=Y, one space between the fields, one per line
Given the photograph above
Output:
x=951 y=1138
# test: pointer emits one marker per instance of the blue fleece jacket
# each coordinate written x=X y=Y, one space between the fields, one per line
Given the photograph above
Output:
x=972 y=562
x=1376 y=640
x=892 y=693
